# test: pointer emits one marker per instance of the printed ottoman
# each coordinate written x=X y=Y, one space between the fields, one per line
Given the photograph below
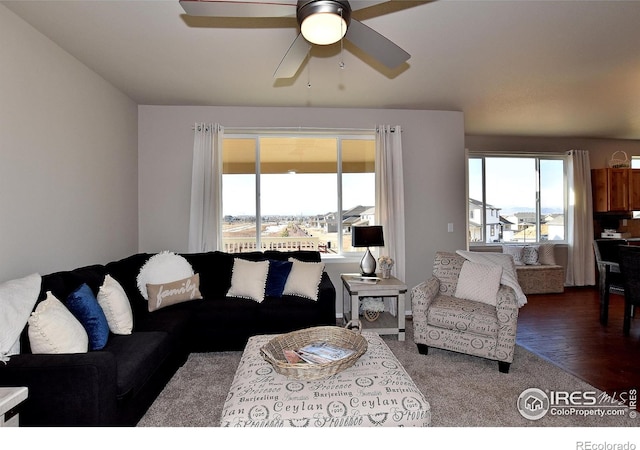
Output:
x=375 y=391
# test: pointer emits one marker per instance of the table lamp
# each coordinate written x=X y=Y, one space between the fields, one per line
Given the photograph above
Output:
x=367 y=236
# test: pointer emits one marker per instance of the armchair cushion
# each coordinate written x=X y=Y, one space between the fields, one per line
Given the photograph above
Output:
x=463 y=315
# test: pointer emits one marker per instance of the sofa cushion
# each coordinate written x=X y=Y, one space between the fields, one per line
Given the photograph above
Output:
x=249 y=279
x=167 y=294
x=53 y=329
x=300 y=255
x=61 y=284
x=125 y=271
x=138 y=356
x=84 y=306
x=116 y=307
x=215 y=272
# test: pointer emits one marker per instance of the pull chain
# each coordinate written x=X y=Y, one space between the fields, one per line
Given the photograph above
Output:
x=341 y=64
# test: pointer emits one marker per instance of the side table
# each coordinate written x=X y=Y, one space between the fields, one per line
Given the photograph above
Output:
x=354 y=290
x=10 y=398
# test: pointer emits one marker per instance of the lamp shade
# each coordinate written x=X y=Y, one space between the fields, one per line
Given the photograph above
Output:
x=369 y=236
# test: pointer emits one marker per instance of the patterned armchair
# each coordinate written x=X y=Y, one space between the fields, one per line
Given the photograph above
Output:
x=443 y=321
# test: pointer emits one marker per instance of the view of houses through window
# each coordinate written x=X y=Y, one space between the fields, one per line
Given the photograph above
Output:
x=516 y=198
x=296 y=192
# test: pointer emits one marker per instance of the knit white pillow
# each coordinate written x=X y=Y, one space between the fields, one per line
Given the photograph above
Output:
x=163 y=268
x=516 y=251
x=304 y=279
x=53 y=329
x=249 y=279
x=115 y=304
x=479 y=282
x=546 y=255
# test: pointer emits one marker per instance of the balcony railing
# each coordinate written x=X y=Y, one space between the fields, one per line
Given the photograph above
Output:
x=286 y=244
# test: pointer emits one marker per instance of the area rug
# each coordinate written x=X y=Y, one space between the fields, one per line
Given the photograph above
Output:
x=463 y=391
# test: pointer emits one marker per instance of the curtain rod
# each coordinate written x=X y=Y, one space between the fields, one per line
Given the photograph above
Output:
x=300 y=129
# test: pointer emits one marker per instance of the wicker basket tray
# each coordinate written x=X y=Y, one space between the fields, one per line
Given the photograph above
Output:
x=272 y=351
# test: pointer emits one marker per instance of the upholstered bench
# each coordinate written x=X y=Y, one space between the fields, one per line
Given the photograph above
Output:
x=375 y=391
x=545 y=279
x=537 y=279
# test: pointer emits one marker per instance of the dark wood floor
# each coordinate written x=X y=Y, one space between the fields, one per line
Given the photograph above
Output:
x=565 y=329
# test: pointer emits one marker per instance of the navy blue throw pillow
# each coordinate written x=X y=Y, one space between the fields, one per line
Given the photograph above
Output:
x=83 y=305
x=277 y=277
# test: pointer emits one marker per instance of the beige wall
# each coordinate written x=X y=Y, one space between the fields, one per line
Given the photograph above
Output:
x=434 y=176
x=600 y=150
x=68 y=164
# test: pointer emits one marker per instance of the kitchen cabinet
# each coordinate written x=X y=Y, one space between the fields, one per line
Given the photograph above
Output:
x=615 y=190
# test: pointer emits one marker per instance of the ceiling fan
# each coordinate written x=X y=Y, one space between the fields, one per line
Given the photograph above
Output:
x=321 y=22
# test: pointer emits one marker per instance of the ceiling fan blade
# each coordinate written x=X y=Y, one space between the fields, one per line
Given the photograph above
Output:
x=361 y=4
x=239 y=8
x=376 y=44
x=293 y=59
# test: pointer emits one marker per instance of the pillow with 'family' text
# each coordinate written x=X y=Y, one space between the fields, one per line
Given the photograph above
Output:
x=163 y=267
x=172 y=293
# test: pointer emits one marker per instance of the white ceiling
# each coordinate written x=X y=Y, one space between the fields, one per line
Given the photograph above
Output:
x=520 y=67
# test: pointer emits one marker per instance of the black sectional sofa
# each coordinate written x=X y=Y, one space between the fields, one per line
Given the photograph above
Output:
x=116 y=385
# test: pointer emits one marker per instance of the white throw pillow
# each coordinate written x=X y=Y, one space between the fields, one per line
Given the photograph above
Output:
x=53 y=329
x=115 y=304
x=516 y=251
x=248 y=279
x=163 y=268
x=479 y=282
x=304 y=279
x=546 y=255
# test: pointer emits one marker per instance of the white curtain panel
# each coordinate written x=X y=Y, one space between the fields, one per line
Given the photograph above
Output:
x=581 y=260
x=390 y=199
x=206 y=188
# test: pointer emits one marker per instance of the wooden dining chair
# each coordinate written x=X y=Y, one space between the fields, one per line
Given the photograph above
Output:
x=630 y=269
x=610 y=278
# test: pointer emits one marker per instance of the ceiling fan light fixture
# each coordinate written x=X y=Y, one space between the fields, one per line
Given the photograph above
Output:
x=323 y=22
x=323 y=28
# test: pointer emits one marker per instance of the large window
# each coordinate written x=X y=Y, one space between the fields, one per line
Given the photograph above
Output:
x=296 y=192
x=516 y=198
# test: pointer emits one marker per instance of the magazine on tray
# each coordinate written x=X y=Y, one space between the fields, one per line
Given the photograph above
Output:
x=325 y=351
x=317 y=353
